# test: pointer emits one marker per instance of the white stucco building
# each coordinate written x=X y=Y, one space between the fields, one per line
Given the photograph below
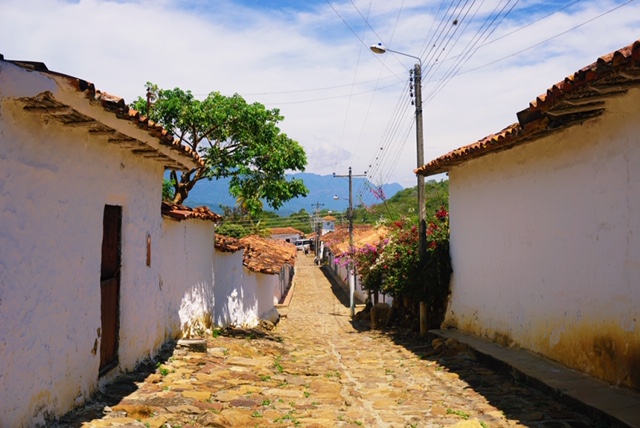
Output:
x=287 y=234
x=328 y=224
x=269 y=272
x=187 y=276
x=253 y=275
x=80 y=234
x=235 y=305
x=545 y=224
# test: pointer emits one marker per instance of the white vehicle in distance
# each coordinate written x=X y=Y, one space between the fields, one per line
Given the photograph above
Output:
x=303 y=245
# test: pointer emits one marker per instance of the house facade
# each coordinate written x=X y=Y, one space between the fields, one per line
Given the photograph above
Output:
x=80 y=232
x=287 y=234
x=328 y=224
x=545 y=224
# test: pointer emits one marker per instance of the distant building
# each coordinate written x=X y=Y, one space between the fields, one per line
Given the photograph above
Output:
x=328 y=224
x=287 y=234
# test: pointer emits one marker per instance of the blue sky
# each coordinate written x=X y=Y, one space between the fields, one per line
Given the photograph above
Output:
x=344 y=104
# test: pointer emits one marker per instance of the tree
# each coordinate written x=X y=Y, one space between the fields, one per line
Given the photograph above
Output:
x=236 y=140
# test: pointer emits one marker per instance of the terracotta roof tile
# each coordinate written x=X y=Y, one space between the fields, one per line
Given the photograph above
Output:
x=329 y=218
x=285 y=231
x=338 y=240
x=579 y=97
x=47 y=105
x=228 y=244
x=267 y=255
x=181 y=212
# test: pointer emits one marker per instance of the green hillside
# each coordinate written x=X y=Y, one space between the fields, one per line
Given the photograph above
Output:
x=403 y=204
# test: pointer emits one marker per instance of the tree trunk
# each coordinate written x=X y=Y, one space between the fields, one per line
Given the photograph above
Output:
x=186 y=183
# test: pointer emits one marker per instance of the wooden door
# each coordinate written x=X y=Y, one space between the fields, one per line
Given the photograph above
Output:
x=110 y=287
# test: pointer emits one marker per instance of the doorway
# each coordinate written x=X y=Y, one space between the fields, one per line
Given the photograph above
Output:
x=110 y=287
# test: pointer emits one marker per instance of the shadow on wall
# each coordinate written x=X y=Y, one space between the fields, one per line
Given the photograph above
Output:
x=239 y=309
x=196 y=310
x=113 y=393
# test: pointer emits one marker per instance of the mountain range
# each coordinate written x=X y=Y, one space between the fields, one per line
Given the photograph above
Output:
x=331 y=193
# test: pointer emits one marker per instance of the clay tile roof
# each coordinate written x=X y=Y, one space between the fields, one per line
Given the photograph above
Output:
x=579 y=97
x=49 y=107
x=181 y=212
x=329 y=218
x=338 y=240
x=285 y=231
x=228 y=244
x=267 y=255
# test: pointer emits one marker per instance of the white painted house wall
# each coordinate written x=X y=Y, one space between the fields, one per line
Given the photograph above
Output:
x=545 y=245
x=187 y=275
x=265 y=286
x=236 y=304
x=342 y=272
x=328 y=226
x=288 y=237
x=55 y=183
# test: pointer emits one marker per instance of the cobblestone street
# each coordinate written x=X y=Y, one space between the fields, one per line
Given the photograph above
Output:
x=316 y=370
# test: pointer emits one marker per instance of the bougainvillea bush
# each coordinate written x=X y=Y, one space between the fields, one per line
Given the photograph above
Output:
x=393 y=266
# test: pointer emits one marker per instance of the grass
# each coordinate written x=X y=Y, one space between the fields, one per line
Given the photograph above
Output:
x=162 y=370
x=460 y=413
x=288 y=417
x=277 y=365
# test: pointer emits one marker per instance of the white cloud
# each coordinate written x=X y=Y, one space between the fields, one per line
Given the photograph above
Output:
x=305 y=62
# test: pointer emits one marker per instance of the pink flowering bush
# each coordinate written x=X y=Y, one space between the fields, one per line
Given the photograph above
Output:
x=394 y=266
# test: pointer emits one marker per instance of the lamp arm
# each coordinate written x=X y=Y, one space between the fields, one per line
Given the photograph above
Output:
x=405 y=54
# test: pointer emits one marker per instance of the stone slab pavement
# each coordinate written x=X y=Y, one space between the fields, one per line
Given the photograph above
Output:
x=318 y=369
x=618 y=406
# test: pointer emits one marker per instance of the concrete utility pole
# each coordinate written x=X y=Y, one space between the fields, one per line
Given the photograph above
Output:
x=316 y=227
x=422 y=229
x=352 y=273
x=422 y=209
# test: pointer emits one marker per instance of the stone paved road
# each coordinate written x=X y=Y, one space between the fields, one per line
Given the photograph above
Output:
x=316 y=370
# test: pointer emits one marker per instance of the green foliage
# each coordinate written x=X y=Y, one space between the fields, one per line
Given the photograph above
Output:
x=394 y=266
x=233 y=230
x=168 y=191
x=236 y=139
x=404 y=204
x=261 y=223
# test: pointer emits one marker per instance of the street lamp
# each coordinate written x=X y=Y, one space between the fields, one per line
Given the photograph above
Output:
x=422 y=228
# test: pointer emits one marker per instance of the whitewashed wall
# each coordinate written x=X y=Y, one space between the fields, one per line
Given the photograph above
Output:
x=342 y=272
x=265 y=287
x=187 y=275
x=236 y=303
x=54 y=184
x=545 y=244
x=289 y=237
